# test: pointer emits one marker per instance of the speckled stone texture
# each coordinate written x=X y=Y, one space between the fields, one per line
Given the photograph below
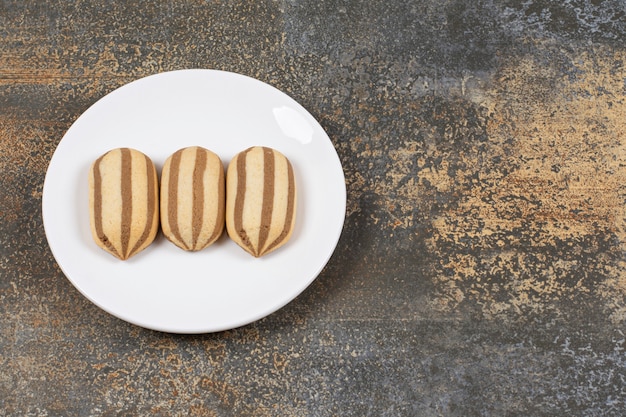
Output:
x=482 y=267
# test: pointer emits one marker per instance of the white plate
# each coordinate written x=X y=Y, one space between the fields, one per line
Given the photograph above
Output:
x=222 y=287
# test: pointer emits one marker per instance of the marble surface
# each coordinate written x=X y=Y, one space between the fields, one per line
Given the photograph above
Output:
x=481 y=270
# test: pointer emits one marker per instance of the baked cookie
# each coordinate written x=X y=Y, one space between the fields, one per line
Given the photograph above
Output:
x=192 y=198
x=260 y=200
x=123 y=202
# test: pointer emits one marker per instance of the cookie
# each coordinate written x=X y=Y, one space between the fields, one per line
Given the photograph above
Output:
x=260 y=200
x=192 y=198
x=123 y=202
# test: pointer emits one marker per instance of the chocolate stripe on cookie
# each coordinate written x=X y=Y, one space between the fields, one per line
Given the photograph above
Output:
x=127 y=200
x=198 y=196
x=97 y=208
x=239 y=200
x=291 y=188
x=172 y=198
x=151 y=202
x=218 y=229
x=268 y=197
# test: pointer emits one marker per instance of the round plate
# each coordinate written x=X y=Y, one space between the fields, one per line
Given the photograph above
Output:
x=222 y=287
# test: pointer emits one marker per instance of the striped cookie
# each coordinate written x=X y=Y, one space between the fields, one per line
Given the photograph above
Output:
x=123 y=202
x=260 y=200
x=192 y=198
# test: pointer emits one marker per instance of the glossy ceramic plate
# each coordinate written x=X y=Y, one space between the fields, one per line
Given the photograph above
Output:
x=222 y=287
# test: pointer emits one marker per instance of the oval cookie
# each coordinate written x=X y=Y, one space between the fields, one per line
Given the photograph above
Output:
x=192 y=198
x=123 y=202
x=260 y=200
